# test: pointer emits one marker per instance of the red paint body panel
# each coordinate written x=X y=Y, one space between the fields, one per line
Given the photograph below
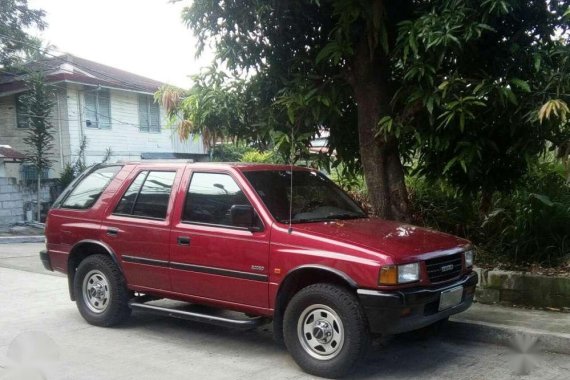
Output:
x=219 y=248
x=231 y=267
x=393 y=241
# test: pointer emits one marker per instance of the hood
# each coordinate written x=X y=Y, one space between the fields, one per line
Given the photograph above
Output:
x=400 y=241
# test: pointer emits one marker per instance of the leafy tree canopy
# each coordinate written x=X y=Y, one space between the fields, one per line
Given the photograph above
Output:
x=463 y=90
x=16 y=18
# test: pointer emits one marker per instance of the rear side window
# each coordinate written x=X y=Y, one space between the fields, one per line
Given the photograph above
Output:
x=86 y=193
x=147 y=196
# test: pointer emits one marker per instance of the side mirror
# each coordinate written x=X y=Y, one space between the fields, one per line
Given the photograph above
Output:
x=244 y=216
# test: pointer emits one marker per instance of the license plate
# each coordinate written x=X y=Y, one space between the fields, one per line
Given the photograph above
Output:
x=450 y=297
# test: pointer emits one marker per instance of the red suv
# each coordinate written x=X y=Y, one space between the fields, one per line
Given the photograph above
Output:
x=273 y=242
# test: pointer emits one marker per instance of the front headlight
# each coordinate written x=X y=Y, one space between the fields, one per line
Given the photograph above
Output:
x=408 y=273
x=399 y=274
x=469 y=258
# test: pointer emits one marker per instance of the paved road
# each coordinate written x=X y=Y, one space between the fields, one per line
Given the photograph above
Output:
x=151 y=347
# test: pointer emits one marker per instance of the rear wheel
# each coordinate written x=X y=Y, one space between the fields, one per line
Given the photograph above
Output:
x=102 y=295
x=325 y=330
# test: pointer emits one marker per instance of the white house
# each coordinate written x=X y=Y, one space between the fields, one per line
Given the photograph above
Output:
x=107 y=107
x=111 y=108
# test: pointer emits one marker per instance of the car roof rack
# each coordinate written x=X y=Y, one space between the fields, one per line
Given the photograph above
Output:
x=154 y=160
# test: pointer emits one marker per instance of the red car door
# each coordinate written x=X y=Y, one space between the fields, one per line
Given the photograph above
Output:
x=212 y=255
x=138 y=228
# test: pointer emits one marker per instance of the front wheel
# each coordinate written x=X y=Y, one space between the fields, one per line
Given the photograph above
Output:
x=325 y=330
x=102 y=296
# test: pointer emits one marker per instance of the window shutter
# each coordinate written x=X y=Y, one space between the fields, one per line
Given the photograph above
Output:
x=90 y=108
x=104 y=108
x=154 y=115
x=143 y=113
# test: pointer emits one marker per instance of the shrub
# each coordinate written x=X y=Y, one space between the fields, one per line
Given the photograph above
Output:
x=531 y=224
x=228 y=152
x=258 y=156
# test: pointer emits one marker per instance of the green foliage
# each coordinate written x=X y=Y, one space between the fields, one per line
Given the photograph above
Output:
x=256 y=156
x=473 y=91
x=15 y=21
x=531 y=224
x=474 y=76
x=228 y=152
x=72 y=170
x=243 y=153
x=67 y=175
x=470 y=75
x=37 y=103
x=213 y=108
x=285 y=92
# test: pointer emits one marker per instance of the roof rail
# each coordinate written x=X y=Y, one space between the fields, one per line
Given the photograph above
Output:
x=161 y=160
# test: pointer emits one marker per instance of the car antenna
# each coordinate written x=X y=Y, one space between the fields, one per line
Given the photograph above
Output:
x=291 y=156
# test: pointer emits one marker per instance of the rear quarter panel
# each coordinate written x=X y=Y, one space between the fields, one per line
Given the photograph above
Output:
x=66 y=227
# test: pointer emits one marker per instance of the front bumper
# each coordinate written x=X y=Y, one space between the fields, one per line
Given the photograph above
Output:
x=44 y=257
x=404 y=310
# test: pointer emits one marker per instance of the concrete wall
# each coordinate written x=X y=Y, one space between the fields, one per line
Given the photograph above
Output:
x=124 y=137
x=522 y=288
x=14 y=198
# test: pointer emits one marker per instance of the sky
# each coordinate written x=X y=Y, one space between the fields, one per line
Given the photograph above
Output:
x=145 y=37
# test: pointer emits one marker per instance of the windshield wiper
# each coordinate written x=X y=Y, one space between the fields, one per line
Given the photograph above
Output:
x=345 y=216
x=308 y=220
x=327 y=218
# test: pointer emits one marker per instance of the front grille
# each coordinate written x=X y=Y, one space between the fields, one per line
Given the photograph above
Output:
x=444 y=268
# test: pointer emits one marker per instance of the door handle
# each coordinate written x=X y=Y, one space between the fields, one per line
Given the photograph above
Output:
x=183 y=240
x=112 y=231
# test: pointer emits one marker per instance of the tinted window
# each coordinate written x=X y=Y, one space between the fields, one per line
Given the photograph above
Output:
x=315 y=197
x=210 y=198
x=148 y=195
x=153 y=198
x=127 y=202
x=86 y=193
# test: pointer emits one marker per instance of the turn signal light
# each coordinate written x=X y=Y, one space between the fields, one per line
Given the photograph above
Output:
x=389 y=275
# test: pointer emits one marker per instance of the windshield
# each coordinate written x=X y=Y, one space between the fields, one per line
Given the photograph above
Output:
x=315 y=197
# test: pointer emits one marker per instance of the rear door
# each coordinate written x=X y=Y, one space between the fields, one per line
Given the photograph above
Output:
x=213 y=256
x=138 y=227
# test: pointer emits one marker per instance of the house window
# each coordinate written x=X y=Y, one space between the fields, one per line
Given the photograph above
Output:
x=22 y=117
x=98 y=108
x=149 y=114
x=30 y=173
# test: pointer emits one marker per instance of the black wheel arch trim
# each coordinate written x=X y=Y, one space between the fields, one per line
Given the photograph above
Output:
x=339 y=273
x=76 y=246
x=279 y=310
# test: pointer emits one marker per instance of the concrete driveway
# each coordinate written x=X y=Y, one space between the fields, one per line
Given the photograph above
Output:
x=149 y=347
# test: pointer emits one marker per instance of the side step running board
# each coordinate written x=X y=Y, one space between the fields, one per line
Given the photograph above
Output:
x=245 y=324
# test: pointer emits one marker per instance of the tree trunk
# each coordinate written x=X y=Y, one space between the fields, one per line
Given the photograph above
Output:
x=39 y=183
x=380 y=157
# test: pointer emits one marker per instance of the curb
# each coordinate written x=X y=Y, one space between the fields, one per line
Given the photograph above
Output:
x=522 y=288
x=505 y=335
x=22 y=239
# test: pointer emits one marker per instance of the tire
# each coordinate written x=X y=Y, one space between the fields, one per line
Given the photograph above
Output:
x=102 y=296
x=325 y=330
